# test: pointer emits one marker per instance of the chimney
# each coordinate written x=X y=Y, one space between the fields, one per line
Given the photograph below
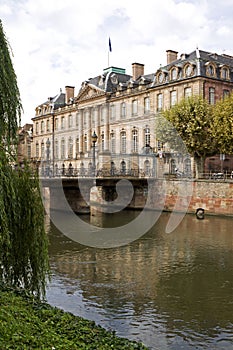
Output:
x=171 y=56
x=137 y=70
x=69 y=93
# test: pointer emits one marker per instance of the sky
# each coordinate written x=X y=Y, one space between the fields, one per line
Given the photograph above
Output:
x=64 y=42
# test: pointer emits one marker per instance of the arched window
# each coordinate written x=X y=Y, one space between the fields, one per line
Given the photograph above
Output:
x=174 y=74
x=224 y=73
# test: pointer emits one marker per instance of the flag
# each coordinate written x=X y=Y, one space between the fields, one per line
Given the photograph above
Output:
x=110 y=45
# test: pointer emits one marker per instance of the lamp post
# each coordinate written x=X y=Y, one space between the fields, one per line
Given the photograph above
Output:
x=94 y=138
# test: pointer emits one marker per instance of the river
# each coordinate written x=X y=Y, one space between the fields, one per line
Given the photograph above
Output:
x=170 y=291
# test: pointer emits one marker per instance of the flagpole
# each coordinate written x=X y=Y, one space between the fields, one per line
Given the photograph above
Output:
x=109 y=48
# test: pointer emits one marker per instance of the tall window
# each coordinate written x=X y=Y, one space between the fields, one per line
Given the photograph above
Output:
x=70 y=119
x=77 y=146
x=62 y=122
x=147 y=136
x=224 y=73
x=112 y=112
x=146 y=105
x=47 y=125
x=56 y=149
x=226 y=93
x=37 y=150
x=123 y=142
x=113 y=142
x=211 y=95
x=70 y=148
x=187 y=92
x=159 y=102
x=42 y=150
x=123 y=110
x=102 y=141
x=135 y=140
x=134 y=107
x=174 y=74
x=42 y=127
x=173 y=98
x=62 y=148
x=56 y=124
x=85 y=143
x=37 y=128
x=77 y=118
x=103 y=114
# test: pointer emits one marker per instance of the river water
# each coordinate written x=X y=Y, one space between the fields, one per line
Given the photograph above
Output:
x=170 y=291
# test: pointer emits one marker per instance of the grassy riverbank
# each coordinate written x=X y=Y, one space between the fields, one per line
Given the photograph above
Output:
x=29 y=324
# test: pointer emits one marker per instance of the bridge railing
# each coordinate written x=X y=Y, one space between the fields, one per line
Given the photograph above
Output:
x=100 y=173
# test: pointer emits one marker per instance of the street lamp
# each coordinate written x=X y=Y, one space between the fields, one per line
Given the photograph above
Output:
x=94 y=138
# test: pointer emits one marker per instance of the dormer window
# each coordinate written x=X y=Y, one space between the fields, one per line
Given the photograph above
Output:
x=210 y=69
x=225 y=73
x=173 y=74
x=188 y=70
x=160 y=78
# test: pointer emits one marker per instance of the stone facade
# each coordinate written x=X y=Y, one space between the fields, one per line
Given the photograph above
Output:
x=121 y=109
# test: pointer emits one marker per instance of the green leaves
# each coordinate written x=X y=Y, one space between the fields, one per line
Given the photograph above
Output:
x=23 y=241
x=189 y=123
x=223 y=125
x=26 y=324
x=10 y=103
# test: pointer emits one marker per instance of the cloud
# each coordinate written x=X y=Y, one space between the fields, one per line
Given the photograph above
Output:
x=66 y=42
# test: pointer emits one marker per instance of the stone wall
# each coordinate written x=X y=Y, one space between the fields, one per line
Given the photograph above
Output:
x=215 y=197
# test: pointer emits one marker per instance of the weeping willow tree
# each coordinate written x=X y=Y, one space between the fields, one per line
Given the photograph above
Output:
x=23 y=240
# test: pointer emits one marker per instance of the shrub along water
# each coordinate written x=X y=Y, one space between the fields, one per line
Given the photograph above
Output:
x=27 y=323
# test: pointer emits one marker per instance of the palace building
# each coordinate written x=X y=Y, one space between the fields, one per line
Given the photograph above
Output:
x=109 y=125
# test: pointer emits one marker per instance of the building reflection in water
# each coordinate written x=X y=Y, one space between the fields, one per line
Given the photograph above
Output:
x=169 y=287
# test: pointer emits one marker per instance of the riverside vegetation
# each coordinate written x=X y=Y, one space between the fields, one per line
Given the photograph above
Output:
x=27 y=323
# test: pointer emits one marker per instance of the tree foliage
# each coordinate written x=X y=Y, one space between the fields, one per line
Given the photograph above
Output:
x=222 y=129
x=188 y=125
x=23 y=241
x=190 y=122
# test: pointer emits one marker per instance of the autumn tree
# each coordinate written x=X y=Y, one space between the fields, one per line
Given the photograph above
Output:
x=187 y=125
x=23 y=241
x=222 y=128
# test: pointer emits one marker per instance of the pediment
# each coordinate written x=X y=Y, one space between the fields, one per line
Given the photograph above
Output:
x=89 y=92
